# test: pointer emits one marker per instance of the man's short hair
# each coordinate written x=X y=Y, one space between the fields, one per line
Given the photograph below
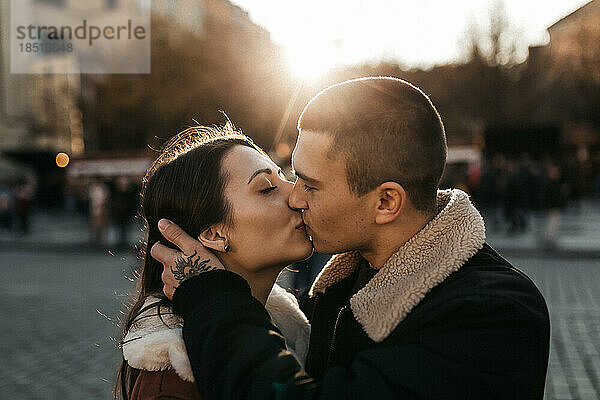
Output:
x=386 y=129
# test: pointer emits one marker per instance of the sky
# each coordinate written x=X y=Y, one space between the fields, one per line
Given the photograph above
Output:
x=417 y=33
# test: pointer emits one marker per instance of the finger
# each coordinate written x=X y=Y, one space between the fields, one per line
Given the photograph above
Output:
x=174 y=234
x=168 y=278
x=169 y=291
x=163 y=254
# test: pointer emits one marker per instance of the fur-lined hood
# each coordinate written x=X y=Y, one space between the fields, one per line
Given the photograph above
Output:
x=153 y=344
x=453 y=236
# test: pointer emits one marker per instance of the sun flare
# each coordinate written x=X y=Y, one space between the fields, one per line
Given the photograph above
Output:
x=309 y=62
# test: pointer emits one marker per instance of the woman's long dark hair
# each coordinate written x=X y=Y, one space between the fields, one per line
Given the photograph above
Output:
x=186 y=185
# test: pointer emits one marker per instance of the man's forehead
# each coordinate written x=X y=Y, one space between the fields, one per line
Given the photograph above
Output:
x=311 y=148
x=311 y=162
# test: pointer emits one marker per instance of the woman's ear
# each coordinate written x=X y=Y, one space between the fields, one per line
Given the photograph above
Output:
x=213 y=239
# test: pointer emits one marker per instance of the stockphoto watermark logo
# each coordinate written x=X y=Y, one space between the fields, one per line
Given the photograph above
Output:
x=83 y=36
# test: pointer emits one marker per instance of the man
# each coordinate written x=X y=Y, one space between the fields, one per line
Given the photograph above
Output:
x=414 y=305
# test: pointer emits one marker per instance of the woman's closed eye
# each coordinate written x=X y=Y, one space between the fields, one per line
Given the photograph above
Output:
x=269 y=189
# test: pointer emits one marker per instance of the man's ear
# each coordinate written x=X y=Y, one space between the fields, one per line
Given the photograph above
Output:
x=213 y=239
x=391 y=200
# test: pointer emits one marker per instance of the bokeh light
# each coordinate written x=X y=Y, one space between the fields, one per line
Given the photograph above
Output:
x=283 y=150
x=62 y=159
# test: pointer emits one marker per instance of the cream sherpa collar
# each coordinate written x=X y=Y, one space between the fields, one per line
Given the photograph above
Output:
x=453 y=236
x=154 y=345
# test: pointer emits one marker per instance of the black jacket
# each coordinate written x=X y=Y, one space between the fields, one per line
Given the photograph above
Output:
x=483 y=333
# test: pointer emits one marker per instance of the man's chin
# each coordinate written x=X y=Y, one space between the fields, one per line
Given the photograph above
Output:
x=321 y=247
x=325 y=247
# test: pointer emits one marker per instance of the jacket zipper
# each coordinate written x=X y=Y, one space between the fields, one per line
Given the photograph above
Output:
x=331 y=346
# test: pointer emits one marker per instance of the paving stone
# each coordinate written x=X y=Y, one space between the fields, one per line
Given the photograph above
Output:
x=572 y=290
x=58 y=345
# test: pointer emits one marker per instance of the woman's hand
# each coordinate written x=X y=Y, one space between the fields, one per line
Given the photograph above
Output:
x=192 y=259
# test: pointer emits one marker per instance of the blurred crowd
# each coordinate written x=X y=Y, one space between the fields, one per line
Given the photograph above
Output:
x=15 y=205
x=510 y=190
x=105 y=203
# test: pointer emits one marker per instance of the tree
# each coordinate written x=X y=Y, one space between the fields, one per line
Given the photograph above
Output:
x=194 y=77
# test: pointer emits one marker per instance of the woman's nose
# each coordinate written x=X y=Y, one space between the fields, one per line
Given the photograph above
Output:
x=287 y=187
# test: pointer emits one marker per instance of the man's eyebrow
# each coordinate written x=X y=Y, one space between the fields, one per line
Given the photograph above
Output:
x=304 y=177
x=258 y=172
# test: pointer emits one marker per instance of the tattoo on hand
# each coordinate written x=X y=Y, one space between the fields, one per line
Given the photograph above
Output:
x=186 y=267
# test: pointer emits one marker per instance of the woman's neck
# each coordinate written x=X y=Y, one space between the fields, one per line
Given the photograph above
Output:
x=261 y=282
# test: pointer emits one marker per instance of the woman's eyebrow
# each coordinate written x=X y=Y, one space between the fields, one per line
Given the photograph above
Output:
x=258 y=172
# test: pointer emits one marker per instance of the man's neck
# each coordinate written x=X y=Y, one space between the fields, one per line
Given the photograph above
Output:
x=391 y=238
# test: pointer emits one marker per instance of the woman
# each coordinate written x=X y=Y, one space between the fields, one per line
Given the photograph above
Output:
x=220 y=186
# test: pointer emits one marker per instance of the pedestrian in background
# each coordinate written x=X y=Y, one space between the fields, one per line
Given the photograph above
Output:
x=98 y=197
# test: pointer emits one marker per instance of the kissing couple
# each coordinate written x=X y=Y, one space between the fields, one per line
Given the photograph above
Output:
x=413 y=304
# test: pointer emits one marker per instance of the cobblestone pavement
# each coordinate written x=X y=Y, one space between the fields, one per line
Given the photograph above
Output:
x=572 y=291
x=55 y=344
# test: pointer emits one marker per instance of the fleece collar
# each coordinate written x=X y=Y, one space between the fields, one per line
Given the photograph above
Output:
x=452 y=237
x=155 y=344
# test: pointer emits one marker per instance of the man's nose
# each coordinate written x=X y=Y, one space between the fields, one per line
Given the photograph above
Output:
x=296 y=199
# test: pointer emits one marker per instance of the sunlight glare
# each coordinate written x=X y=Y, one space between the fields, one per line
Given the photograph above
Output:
x=309 y=62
